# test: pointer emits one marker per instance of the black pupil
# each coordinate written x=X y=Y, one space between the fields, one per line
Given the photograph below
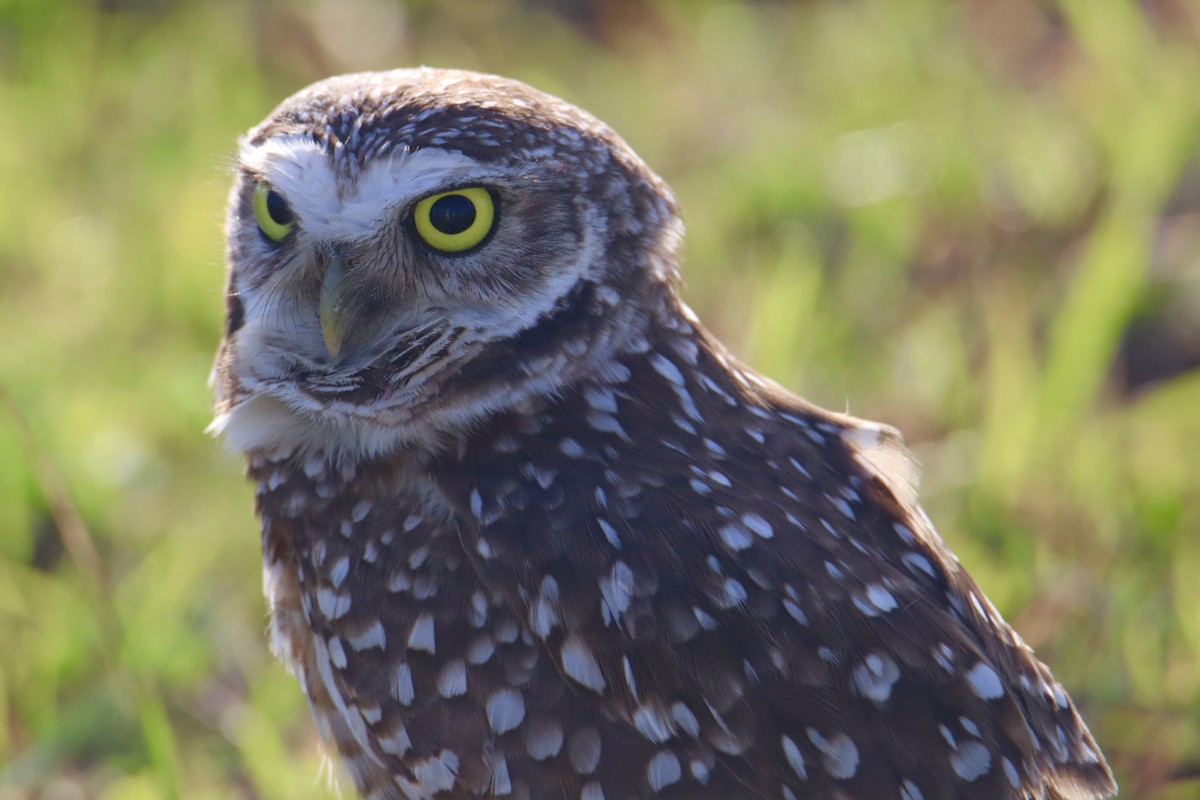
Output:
x=452 y=214
x=278 y=208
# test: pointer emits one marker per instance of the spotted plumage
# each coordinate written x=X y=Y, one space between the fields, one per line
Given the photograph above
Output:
x=531 y=532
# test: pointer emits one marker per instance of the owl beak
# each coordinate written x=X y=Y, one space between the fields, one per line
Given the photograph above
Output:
x=334 y=304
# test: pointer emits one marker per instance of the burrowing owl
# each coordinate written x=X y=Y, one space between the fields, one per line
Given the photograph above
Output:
x=530 y=531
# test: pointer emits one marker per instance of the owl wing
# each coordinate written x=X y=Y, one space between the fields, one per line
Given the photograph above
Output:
x=755 y=600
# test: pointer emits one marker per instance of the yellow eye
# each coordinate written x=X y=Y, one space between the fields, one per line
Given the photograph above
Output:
x=273 y=214
x=456 y=221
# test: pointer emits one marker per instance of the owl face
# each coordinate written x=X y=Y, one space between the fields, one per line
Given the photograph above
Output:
x=404 y=250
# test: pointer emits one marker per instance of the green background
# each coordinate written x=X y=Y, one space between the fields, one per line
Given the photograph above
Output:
x=978 y=221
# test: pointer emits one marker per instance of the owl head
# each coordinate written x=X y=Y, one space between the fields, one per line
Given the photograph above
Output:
x=411 y=250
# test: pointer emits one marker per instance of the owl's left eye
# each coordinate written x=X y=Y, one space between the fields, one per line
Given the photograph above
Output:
x=273 y=214
x=456 y=221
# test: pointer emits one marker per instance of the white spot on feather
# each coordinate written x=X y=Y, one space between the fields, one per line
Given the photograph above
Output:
x=341 y=568
x=985 y=682
x=543 y=612
x=1010 y=772
x=543 y=738
x=759 y=525
x=480 y=650
x=610 y=533
x=616 y=591
x=337 y=653
x=948 y=735
x=663 y=366
x=571 y=448
x=399 y=581
x=944 y=657
x=505 y=710
x=606 y=423
x=402 y=685
x=422 y=636
x=875 y=677
x=373 y=636
x=478 y=613
x=579 y=662
x=418 y=557
x=686 y=720
x=601 y=399
x=663 y=770
x=915 y=562
x=652 y=723
x=735 y=536
x=795 y=612
x=733 y=594
x=501 y=782
x=839 y=751
x=971 y=760
x=630 y=680
x=452 y=680
x=434 y=774
x=881 y=598
x=584 y=750
x=794 y=757
x=396 y=743
x=332 y=605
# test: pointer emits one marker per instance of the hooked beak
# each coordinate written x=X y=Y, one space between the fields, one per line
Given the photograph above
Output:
x=354 y=310
x=335 y=304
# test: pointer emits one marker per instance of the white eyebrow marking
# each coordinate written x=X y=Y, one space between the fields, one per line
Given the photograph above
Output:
x=299 y=169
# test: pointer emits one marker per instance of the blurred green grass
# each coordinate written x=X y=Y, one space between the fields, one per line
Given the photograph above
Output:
x=977 y=221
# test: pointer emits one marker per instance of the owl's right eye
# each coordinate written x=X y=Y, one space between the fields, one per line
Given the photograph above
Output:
x=273 y=214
